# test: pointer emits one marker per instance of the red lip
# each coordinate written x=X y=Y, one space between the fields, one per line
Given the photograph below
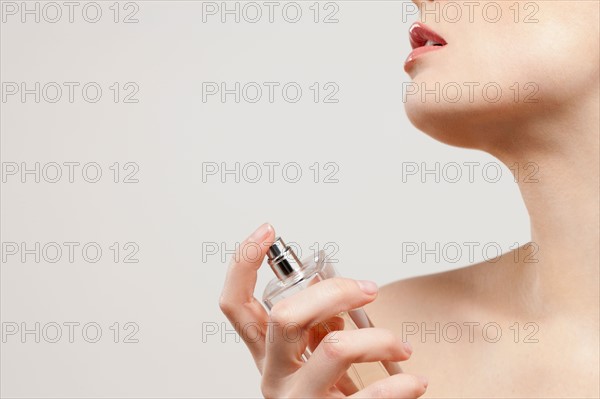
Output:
x=419 y=34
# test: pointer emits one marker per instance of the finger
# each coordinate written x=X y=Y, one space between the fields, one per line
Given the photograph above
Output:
x=292 y=317
x=237 y=301
x=340 y=349
x=319 y=331
x=316 y=334
x=396 y=386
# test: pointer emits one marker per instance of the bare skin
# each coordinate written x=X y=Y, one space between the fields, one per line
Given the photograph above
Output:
x=541 y=356
x=553 y=351
x=559 y=292
x=278 y=358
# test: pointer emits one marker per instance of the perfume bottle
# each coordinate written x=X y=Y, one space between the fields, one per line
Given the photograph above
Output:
x=294 y=275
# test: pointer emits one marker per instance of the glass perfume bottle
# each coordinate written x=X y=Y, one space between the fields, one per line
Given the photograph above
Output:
x=294 y=275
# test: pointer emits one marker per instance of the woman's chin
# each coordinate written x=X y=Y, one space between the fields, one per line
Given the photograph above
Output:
x=459 y=125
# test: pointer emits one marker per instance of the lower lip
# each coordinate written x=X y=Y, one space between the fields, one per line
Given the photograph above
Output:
x=416 y=53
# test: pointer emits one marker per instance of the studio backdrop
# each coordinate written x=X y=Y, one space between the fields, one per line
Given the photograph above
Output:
x=142 y=141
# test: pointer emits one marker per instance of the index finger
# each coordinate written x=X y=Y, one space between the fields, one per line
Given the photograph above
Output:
x=237 y=300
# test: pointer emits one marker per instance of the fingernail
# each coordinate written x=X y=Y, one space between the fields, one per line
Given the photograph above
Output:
x=368 y=287
x=424 y=381
x=261 y=233
x=408 y=347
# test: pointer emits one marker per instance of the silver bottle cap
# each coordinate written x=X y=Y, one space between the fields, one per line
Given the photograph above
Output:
x=282 y=259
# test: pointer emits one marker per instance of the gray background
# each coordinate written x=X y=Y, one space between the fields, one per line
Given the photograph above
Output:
x=171 y=214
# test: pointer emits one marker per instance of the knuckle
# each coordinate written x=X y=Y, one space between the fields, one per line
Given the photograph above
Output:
x=332 y=350
x=281 y=313
x=334 y=346
x=267 y=389
x=389 y=339
x=225 y=305
x=394 y=345
x=271 y=390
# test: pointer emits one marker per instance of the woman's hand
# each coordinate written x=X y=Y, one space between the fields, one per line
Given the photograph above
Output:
x=279 y=360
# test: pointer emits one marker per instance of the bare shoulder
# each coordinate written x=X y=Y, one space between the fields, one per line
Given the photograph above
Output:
x=435 y=296
x=444 y=315
x=466 y=292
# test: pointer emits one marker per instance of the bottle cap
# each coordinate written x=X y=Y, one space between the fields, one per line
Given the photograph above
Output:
x=282 y=259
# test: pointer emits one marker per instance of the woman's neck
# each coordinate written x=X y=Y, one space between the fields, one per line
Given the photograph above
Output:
x=559 y=181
